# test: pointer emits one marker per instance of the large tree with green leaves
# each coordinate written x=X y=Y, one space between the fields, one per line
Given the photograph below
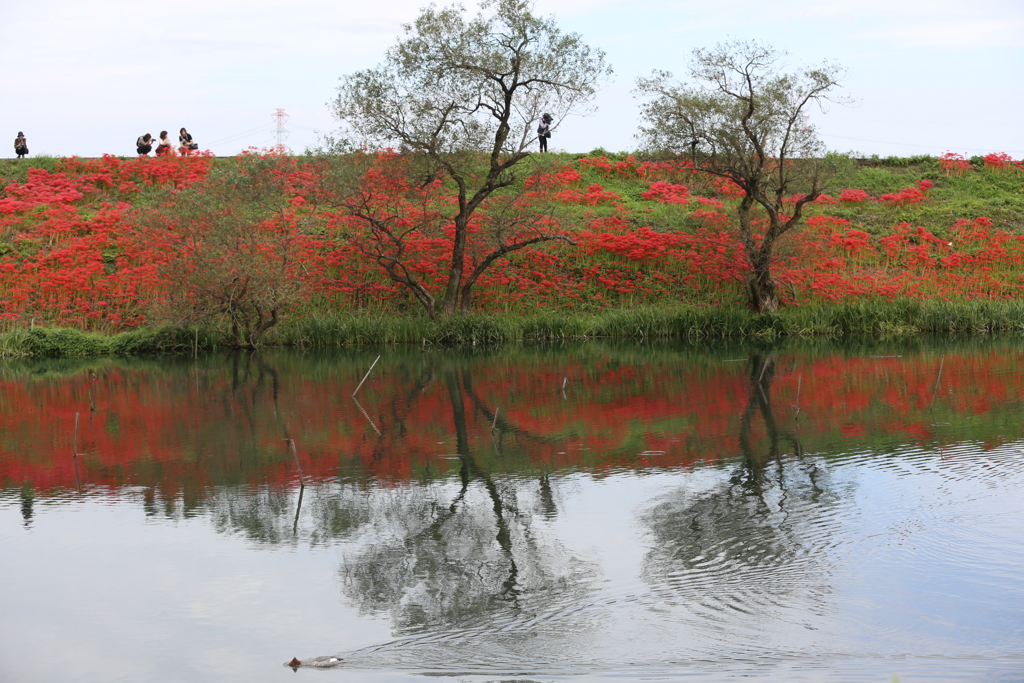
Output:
x=465 y=94
x=744 y=118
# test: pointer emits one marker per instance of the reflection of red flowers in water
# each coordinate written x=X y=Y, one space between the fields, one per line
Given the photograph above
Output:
x=185 y=432
x=852 y=430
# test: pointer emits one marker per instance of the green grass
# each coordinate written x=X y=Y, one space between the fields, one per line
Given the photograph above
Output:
x=43 y=342
x=16 y=170
x=902 y=318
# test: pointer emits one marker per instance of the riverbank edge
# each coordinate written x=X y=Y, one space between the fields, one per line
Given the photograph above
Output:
x=893 y=318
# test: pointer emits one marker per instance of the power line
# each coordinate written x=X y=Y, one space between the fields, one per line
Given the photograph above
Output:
x=236 y=136
x=279 y=133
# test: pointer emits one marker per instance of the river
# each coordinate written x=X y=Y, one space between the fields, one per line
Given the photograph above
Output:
x=584 y=512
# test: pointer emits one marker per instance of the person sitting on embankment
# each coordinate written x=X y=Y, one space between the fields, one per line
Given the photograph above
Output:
x=21 y=145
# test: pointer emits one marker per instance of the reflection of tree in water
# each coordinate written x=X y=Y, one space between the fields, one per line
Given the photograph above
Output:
x=27 y=499
x=464 y=560
x=461 y=556
x=756 y=542
x=270 y=516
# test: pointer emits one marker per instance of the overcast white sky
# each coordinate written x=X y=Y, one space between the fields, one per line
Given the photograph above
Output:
x=88 y=77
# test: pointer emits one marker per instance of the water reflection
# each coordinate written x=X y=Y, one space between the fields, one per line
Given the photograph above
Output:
x=27 y=499
x=587 y=509
x=754 y=542
x=180 y=427
x=444 y=559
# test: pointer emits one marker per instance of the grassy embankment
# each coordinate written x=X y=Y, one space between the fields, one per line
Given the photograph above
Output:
x=981 y=191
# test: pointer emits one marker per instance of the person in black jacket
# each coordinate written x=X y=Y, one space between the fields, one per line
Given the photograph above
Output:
x=144 y=144
x=21 y=145
x=185 y=144
x=544 y=131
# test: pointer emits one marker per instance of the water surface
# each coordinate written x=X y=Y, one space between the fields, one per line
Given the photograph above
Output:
x=584 y=513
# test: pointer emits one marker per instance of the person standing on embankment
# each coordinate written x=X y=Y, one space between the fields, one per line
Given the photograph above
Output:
x=544 y=131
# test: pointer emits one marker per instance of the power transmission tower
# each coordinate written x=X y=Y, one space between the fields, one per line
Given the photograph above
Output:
x=280 y=132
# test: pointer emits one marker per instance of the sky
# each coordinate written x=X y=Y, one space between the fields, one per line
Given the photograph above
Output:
x=87 y=78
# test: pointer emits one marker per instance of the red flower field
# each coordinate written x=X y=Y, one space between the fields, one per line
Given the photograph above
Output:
x=97 y=244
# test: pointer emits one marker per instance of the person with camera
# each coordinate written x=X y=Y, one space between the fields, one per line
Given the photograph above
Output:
x=21 y=145
x=544 y=131
x=144 y=145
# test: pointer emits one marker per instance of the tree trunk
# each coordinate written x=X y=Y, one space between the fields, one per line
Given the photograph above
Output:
x=451 y=293
x=763 y=297
x=761 y=294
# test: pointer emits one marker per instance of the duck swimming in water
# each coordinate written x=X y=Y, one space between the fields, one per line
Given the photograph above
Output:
x=318 y=662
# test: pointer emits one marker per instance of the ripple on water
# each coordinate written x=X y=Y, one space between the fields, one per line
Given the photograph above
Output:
x=909 y=556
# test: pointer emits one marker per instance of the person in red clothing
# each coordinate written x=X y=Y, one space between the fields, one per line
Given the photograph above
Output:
x=164 y=147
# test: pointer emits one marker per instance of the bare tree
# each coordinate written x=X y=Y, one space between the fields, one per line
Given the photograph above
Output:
x=744 y=119
x=466 y=93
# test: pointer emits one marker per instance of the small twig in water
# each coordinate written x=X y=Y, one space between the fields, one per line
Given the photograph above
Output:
x=494 y=424
x=360 y=406
x=938 y=379
x=364 y=379
x=291 y=445
x=298 y=508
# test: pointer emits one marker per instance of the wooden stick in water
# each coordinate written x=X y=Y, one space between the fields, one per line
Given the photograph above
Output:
x=291 y=445
x=938 y=379
x=494 y=424
x=364 y=378
x=76 y=435
x=298 y=508
x=360 y=406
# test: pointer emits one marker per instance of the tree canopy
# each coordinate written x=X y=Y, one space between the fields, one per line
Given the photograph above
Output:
x=455 y=88
x=455 y=83
x=744 y=118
